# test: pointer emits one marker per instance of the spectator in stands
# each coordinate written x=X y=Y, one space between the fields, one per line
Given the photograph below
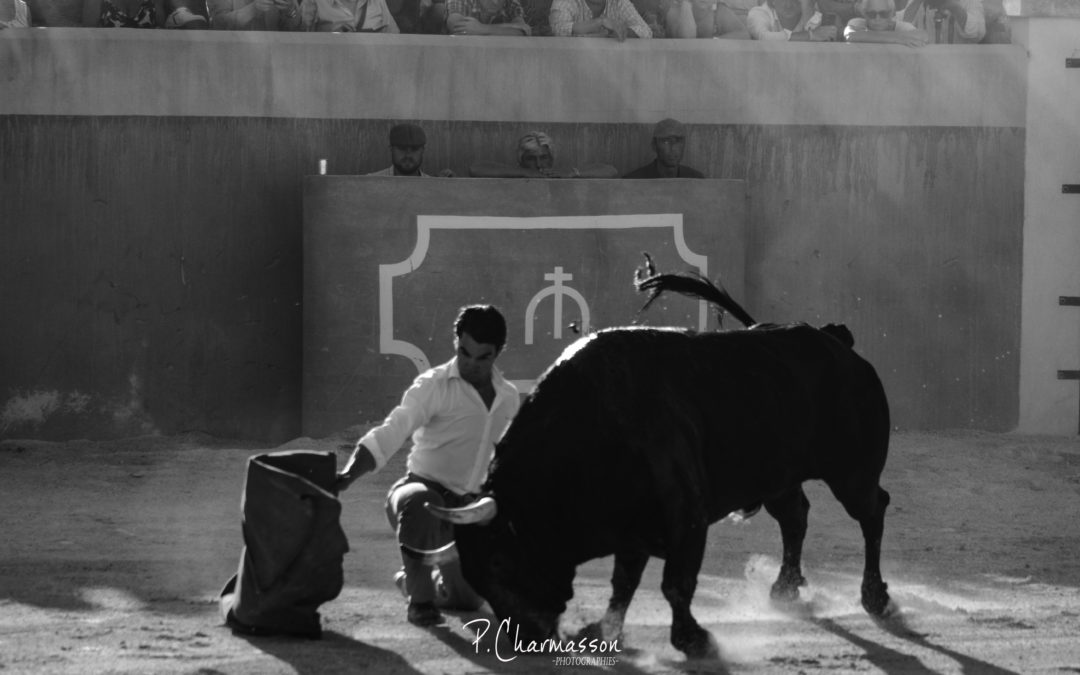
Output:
x=346 y=16
x=691 y=19
x=947 y=21
x=407 y=143
x=838 y=13
x=538 y=16
x=536 y=159
x=141 y=14
x=486 y=17
x=419 y=16
x=254 y=14
x=780 y=20
x=14 y=14
x=878 y=24
x=597 y=18
x=668 y=142
x=998 y=30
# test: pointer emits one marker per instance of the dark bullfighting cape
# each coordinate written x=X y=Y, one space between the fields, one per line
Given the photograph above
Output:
x=293 y=545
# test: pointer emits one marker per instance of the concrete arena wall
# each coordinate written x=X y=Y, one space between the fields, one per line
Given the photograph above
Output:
x=1051 y=329
x=152 y=267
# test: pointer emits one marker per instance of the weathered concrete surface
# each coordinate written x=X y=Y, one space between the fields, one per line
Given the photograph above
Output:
x=151 y=271
x=72 y=71
x=387 y=265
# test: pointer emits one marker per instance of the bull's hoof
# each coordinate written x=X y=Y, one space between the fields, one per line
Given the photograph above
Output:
x=786 y=588
x=611 y=626
x=696 y=643
x=875 y=597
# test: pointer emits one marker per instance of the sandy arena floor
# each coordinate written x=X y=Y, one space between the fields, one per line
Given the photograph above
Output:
x=112 y=555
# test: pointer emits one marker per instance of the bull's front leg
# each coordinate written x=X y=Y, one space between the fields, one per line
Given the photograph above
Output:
x=790 y=510
x=680 y=581
x=629 y=565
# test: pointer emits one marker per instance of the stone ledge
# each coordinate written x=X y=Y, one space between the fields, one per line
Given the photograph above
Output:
x=1060 y=9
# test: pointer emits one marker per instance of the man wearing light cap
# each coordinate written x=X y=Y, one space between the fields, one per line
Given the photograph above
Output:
x=536 y=159
x=407 y=143
x=668 y=142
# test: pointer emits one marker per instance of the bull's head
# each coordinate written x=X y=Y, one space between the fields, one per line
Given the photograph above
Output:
x=518 y=585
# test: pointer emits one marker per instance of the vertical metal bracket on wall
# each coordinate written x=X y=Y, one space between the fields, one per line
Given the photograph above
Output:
x=1072 y=62
x=1069 y=301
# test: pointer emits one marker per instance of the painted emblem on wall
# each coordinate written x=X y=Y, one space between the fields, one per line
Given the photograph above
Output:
x=554 y=278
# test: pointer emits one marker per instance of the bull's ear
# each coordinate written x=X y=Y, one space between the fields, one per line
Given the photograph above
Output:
x=480 y=512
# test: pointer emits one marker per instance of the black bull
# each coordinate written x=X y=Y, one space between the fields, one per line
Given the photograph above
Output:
x=637 y=439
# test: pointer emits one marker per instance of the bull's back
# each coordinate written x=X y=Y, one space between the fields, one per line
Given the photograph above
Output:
x=748 y=412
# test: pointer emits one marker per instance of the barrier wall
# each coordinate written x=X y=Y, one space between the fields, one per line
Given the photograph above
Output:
x=389 y=262
x=152 y=206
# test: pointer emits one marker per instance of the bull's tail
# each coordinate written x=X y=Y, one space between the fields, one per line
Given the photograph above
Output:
x=688 y=283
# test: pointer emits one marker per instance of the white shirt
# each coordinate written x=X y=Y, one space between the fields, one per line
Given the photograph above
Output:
x=453 y=432
x=763 y=24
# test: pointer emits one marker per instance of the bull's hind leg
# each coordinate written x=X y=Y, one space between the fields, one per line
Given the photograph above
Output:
x=625 y=578
x=867 y=506
x=686 y=549
x=790 y=510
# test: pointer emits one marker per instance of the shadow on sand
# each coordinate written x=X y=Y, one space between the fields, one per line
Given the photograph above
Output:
x=334 y=653
x=897 y=663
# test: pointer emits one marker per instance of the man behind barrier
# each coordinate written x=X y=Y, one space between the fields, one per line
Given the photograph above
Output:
x=407 y=143
x=668 y=142
x=536 y=159
x=454 y=412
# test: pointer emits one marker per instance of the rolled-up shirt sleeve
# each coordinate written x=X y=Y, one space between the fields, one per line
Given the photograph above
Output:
x=413 y=412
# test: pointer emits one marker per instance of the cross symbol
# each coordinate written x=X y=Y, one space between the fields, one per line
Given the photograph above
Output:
x=558 y=276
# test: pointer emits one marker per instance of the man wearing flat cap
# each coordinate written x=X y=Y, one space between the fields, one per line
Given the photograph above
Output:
x=407 y=143
x=668 y=142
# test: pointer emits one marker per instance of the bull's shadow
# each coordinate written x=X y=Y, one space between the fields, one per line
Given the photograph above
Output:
x=334 y=653
x=484 y=646
x=895 y=662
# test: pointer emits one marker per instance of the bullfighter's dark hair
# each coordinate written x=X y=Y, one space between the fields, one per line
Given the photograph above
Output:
x=484 y=323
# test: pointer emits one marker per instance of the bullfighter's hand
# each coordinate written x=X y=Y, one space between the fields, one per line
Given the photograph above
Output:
x=344 y=480
x=361 y=462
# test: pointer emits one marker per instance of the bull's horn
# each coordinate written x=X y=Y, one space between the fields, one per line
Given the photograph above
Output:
x=479 y=512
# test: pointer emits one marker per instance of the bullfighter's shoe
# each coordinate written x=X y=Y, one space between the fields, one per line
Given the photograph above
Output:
x=424 y=614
